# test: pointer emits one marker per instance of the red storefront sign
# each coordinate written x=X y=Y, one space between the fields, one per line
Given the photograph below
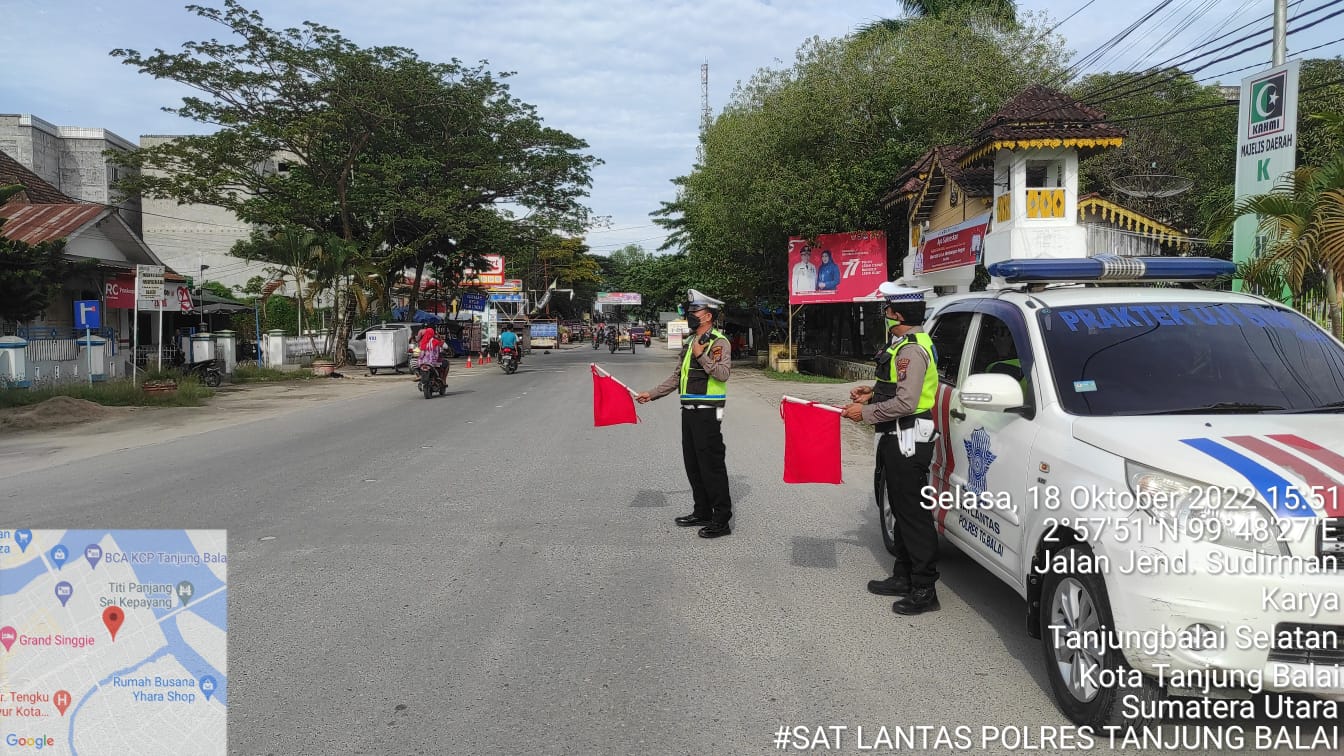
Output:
x=837 y=268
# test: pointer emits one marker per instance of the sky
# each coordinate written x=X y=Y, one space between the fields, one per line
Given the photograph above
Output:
x=622 y=75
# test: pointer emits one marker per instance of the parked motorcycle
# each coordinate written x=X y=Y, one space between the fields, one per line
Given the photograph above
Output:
x=508 y=360
x=206 y=371
x=430 y=380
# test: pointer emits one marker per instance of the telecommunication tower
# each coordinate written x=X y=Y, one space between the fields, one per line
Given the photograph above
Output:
x=704 y=111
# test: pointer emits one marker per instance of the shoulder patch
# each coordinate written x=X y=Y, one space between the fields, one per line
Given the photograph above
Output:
x=716 y=353
x=902 y=364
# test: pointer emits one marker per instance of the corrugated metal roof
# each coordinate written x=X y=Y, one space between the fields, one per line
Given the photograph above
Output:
x=35 y=224
x=14 y=172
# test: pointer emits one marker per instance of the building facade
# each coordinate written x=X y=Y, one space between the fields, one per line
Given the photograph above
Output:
x=73 y=159
x=195 y=240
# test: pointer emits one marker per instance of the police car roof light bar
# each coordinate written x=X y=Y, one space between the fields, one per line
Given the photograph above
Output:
x=1112 y=268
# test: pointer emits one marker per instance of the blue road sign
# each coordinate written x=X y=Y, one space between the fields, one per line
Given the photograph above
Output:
x=472 y=301
x=88 y=314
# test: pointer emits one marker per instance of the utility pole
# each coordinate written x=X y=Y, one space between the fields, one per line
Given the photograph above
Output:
x=1280 y=32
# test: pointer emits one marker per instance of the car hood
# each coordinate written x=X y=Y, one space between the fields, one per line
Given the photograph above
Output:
x=1273 y=455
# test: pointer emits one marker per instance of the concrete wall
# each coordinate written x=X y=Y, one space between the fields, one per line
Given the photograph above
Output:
x=852 y=370
x=188 y=236
x=71 y=159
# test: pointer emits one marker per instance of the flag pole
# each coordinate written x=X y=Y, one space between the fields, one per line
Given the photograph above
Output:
x=819 y=405
x=605 y=374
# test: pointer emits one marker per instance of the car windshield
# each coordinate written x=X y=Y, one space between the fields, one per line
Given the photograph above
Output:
x=1190 y=357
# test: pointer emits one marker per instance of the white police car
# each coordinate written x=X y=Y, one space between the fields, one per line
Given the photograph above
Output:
x=1159 y=471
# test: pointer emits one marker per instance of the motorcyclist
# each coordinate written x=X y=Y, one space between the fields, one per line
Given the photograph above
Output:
x=431 y=352
x=509 y=340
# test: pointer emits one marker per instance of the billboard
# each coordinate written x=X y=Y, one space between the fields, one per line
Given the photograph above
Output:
x=493 y=275
x=1266 y=145
x=954 y=247
x=837 y=267
x=619 y=298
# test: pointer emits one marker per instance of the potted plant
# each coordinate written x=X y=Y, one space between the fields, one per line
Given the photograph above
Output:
x=158 y=381
x=323 y=365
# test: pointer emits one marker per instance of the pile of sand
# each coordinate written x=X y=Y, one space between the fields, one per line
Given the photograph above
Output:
x=54 y=412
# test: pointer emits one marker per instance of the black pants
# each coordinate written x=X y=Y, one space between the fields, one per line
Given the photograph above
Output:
x=703 y=452
x=916 y=539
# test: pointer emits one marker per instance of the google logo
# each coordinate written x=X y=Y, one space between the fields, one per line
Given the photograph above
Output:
x=37 y=743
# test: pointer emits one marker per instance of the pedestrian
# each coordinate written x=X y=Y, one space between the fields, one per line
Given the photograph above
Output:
x=899 y=407
x=701 y=379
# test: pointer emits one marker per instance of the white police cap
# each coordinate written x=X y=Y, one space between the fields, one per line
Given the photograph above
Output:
x=697 y=299
x=891 y=291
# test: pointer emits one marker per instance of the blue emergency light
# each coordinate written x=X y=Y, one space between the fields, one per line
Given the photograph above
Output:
x=1112 y=268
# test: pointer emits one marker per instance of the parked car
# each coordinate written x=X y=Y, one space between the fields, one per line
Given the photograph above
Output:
x=356 y=349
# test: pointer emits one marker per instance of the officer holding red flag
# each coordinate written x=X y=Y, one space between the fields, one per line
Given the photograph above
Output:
x=899 y=407
x=701 y=378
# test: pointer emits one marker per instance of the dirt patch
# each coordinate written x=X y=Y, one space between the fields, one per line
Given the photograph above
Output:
x=54 y=412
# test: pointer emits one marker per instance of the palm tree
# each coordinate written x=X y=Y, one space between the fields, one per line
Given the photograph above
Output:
x=1000 y=10
x=1302 y=222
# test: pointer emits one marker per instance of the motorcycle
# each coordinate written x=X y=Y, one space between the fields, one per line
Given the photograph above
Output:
x=597 y=339
x=430 y=380
x=206 y=371
x=508 y=360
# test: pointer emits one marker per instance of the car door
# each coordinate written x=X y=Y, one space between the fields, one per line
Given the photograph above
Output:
x=991 y=450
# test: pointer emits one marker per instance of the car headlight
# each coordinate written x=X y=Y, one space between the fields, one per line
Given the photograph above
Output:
x=1204 y=512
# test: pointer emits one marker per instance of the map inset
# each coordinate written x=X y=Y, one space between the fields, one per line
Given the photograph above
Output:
x=113 y=641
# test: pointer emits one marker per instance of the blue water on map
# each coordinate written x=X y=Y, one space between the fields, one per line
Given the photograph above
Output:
x=209 y=601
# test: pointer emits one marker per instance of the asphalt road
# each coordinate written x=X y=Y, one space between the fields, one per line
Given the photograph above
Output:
x=487 y=573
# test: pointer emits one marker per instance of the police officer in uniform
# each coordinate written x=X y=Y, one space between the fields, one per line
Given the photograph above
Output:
x=899 y=407
x=701 y=379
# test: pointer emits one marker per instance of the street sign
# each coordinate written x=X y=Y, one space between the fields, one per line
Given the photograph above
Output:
x=472 y=300
x=184 y=299
x=88 y=314
x=149 y=282
x=506 y=297
x=1266 y=147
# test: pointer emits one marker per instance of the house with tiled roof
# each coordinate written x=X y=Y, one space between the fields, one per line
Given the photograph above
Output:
x=95 y=234
x=1012 y=191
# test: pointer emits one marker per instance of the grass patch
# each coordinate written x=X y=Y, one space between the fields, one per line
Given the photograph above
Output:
x=255 y=374
x=121 y=393
x=803 y=377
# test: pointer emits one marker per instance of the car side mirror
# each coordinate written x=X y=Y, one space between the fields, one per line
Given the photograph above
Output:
x=995 y=392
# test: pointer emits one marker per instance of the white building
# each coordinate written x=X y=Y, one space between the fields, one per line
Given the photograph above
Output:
x=188 y=237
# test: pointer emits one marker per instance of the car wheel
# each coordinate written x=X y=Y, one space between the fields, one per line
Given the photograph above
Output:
x=886 y=518
x=373 y=371
x=1074 y=605
x=350 y=357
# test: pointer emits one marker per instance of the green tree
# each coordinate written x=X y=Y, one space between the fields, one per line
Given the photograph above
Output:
x=811 y=149
x=30 y=274
x=1187 y=146
x=415 y=163
x=1004 y=11
x=1302 y=220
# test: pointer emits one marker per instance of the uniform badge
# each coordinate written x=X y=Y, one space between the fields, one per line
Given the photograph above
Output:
x=902 y=365
x=900 y=375
x=716 y=353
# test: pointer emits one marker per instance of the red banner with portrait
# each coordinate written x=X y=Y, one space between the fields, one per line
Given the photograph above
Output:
x=836 y=267
x=954 y=247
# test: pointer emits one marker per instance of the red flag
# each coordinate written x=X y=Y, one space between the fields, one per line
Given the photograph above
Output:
x=811 y=442
x=612 y=402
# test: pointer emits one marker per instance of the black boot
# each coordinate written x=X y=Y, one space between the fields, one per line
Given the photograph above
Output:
x=896 y=585
x=922 y=598
x=693 y=519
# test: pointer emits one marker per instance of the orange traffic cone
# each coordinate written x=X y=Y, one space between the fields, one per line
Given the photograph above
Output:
x=468 y=360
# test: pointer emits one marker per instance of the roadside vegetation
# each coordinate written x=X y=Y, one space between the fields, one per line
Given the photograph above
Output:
x=803 y=377
x=256 y=374
x=122 y=393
